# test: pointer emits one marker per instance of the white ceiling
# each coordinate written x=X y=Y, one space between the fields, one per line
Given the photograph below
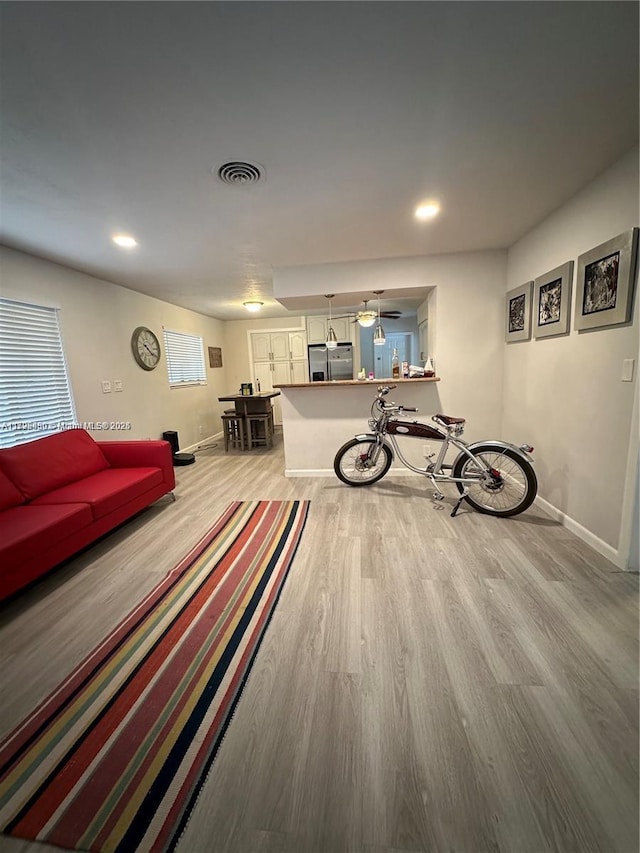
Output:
x=116 y=117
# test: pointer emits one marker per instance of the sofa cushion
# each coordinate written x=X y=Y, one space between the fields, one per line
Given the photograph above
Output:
x=51 y=462
x=9 y=495
x=105 y=491
x=27 y=530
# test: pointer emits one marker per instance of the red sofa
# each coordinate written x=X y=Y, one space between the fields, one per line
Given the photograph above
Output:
x=60 y=493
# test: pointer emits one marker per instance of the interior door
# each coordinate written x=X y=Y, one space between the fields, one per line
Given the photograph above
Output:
x=383 y=355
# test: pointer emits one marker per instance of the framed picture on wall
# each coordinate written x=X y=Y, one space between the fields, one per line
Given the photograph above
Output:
x=605 y=282
x=551 y=301
x=518 y=308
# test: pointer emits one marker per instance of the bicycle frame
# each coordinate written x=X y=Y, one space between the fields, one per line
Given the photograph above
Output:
x=449 y=434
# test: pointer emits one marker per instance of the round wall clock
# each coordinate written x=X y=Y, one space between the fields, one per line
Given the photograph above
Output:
x=145 y=348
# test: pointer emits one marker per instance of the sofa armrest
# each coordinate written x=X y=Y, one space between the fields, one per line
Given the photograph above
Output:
x=141 y=454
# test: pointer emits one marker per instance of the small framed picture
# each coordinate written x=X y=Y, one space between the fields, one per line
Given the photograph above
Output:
x=215 y=356
x=551 y=301
x=605 y=282
x=518 y=308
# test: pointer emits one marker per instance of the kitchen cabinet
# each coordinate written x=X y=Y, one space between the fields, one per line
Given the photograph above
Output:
x=278 y=346
x=278 y=358
x=317 y=329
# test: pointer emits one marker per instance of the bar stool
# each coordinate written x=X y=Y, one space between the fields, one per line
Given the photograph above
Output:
x=257 y=436
x=233 y=429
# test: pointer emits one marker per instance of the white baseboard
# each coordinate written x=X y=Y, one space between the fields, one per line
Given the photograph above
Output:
x=581 y=532
x=218 y=436
x=329 y=472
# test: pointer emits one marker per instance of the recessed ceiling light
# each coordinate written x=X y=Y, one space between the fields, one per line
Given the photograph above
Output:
x=253 y=306
x=125 y=241
x=427 y=211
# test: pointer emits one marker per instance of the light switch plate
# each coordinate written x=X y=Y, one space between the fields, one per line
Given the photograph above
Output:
x=627 y=369
x=106 y=386
x=117 y=384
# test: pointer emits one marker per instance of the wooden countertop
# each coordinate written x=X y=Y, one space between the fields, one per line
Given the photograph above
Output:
x=349 y=383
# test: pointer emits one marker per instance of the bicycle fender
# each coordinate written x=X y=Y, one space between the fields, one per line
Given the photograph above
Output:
x=499 y=445
x=364 y=436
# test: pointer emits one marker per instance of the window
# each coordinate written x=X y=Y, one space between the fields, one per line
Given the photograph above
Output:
x=185 y=359
x=35 y=395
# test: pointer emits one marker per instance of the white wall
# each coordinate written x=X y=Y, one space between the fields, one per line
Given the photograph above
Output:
x=466 y=328
x=97 y=319
x=564 y=395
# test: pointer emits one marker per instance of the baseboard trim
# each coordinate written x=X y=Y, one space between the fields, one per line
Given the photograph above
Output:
x=218 y=436
x=581 y=532
x=329 y=472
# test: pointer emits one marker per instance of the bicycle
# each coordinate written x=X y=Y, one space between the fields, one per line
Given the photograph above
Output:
x=494 y=477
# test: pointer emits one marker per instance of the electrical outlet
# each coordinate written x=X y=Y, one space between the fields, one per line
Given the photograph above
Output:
x=201 y=430
x=106 y=386
x=117 y=385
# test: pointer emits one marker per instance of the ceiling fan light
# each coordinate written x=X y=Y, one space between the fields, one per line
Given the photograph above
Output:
x=379 y=338
x=367 y=318
x=332 y=341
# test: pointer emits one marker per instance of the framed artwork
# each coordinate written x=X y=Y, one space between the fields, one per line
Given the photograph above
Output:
x=518 y=309
x=215 y=356
x=551 y=301
x=605 y=282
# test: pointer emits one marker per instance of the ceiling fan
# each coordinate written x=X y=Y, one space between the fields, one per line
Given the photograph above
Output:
x=367 y=316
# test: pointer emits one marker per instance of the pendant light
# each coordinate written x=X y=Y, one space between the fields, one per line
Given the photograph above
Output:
x=332 y=341
x=379 y=338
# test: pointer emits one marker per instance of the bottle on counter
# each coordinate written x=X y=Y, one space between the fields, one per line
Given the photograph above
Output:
x=395 y=365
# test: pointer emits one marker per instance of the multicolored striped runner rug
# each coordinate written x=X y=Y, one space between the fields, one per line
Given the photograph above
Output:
x=115 y=758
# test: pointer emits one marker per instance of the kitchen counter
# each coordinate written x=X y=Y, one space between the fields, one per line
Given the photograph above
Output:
x=316 y=425
x=368 y=383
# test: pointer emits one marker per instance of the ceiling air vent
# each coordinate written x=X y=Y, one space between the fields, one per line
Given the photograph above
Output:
x=238 y=172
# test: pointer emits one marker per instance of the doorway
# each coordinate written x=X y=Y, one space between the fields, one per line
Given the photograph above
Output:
x=383 y=355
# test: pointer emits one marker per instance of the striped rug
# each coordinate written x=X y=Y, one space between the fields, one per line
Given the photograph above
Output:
x=115 y=758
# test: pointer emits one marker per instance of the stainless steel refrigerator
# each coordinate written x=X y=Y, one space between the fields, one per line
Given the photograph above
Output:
x=326 y=365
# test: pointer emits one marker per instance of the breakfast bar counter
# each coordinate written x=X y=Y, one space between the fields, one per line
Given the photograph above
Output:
x=319 y=417
x=367 y=383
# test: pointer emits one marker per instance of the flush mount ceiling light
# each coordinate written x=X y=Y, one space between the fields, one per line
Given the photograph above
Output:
x=125 y=241
x=253 y=305
x=427 y=210
x=332 y=341
x=379 y=338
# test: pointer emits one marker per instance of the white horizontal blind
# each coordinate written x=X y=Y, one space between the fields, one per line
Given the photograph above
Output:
x=185 y=358
x=35 y=395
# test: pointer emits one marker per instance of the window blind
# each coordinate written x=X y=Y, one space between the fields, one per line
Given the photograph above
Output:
x=35 y=394
x=185 y=358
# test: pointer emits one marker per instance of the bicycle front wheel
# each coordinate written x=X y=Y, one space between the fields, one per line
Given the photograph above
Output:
x=361 y=462
x=510 y=489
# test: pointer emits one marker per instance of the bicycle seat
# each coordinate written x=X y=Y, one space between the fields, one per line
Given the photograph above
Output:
x=448 y=420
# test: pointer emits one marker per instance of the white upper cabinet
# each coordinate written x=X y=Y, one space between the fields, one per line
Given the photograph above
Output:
x=317 y=329
x=297 y=345
x=278 y=346
x=342 y=327
x=261 y=346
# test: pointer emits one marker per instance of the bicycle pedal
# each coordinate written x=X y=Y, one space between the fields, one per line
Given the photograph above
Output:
x=438 y=496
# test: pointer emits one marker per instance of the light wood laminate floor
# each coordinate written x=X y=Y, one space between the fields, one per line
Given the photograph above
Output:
x=426 y=683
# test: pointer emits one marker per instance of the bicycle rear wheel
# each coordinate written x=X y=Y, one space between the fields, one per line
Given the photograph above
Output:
x=513 y=484
x=354 y=463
